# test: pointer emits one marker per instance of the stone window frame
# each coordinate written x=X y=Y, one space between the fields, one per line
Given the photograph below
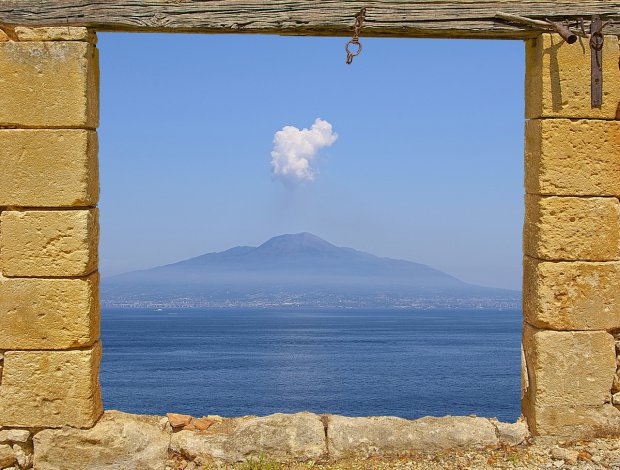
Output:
x=49 y=231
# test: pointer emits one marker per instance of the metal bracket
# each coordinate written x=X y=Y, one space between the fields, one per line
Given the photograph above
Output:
x=564 y=29
x=596 y=61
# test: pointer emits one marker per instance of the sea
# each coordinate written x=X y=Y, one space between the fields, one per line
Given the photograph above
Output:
x=354 y=362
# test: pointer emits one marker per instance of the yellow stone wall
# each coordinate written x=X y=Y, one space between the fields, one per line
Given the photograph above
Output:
x=571 y=241
x=557 y=79
x=49 y=228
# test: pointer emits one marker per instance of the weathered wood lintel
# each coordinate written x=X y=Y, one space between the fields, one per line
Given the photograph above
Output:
x=413 y=18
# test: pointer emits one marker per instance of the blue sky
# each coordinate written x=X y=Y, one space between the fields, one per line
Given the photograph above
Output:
x=427 y=166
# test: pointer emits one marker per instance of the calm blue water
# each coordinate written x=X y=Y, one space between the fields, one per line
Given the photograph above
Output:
x=358 y=363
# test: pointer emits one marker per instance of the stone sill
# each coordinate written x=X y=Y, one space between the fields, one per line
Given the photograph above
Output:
x=124 y=441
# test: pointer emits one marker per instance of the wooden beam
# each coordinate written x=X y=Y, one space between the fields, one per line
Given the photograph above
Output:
x=412 y=18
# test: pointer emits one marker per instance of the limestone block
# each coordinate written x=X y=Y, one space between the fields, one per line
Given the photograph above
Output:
x=557 y=80
x=49 y=313
x=571 y=295
x=512 y=434
x=23 y=453
x=55 y=33
x=567 y=368
x=384 y=435
x=117 y=441
x=572 y=228
x=572 y=158
x=48 y=168
x=51 y=389
x=3 y=36
x=49 y=243
x=7 y=456
x=299 y=436
x=14 y=435
x=576 y=422
x=49 y=84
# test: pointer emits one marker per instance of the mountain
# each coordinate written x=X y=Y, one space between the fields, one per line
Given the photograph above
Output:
x=297 y=269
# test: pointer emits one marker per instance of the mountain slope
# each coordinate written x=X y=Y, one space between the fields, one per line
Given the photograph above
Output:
x=297 y=268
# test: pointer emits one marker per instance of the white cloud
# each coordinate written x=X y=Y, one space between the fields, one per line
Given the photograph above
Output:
x=294 y=151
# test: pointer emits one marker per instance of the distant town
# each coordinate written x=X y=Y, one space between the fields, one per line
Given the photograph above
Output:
x=326 y=301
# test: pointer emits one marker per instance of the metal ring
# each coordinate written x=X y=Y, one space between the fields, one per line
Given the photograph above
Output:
x=353 y=54
x=597 y=40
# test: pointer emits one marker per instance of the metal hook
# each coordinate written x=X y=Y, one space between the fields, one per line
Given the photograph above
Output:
x=350 y=54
